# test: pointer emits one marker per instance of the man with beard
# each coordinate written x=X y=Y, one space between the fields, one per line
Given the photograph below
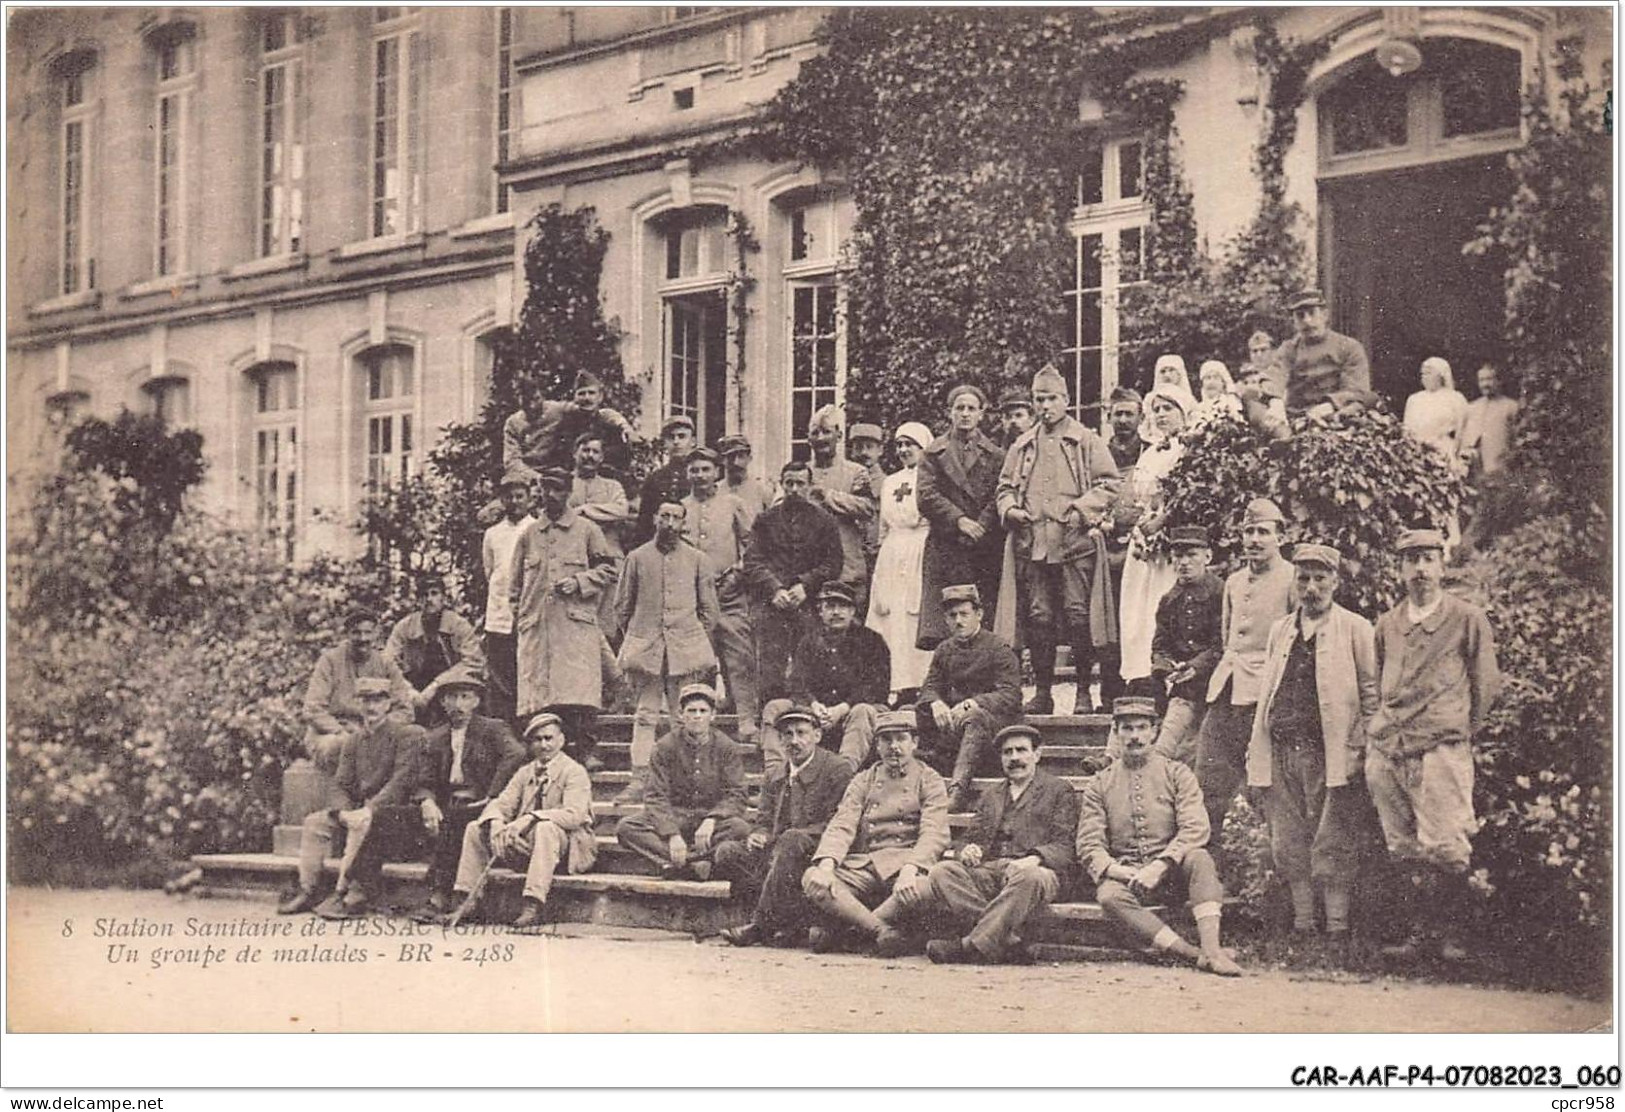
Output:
x=496 y=557
x=794 y=549
x=561 y=565
x=1015 y=415
x=332 y=707
x=796 y=807
x=958 y=475
x=841 y=670
x=1019 y=856
x=468 y=759
x=432 y=640
x=544 y=434
x=841 y=486
x=370 y=801
x=1256 y=596
x=542 y=819
x=971 y=691
x=890 y=828
x=667 y=605
x=718 y=524
x=1308 y=743
x=669 y=481
x=1438 y=679
x=1141 y=838
x=1125 y=444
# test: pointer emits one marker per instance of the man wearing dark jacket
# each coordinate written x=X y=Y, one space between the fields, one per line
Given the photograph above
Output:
x=796 y=806
x=467 y=761
x=669 y=481
x=794 y=549
x=971 y=691
x=1019 y=857
x=958 y=478
x=695 y=790
x=370 y=801
x=1187 y=644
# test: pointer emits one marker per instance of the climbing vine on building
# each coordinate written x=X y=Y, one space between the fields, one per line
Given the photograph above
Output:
x=740 y=282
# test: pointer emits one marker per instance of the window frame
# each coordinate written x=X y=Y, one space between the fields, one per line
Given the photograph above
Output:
x=75 y=241
x=279 y=234
x=796 y=437
x=395 y=412
x=504 y=125
x=172 y=102
x=161 y=387
x=404 y=28
x=277 y=518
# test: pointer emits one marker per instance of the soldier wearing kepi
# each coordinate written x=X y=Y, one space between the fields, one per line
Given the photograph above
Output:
x=971 y=691
x=1142 y=835
x=889 y=830
x=1015 y=415
x=718 y=523
x=796 y=807
x=1308 y=743
x=541 y=820
x=1187 y=643
x=1318 y=370
x=1019 y=857
x=1438 y=679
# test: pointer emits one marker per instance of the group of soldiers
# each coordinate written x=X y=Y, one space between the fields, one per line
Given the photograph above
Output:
x=1261 y=680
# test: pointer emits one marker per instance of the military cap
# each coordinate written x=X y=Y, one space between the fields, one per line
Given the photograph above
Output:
x=894 y=721
x=546 y=718
x=557 y=476
x=1420 y=538
x=728 y=445
x=1317 y=554
x=458 y=677
x=1262 y=509
x=1020 y=729
x=1049 y=380
x=1015 y=399
x=357 y=615
x=866 y=431
x=677 y=421
x=795 y=713
x=1134 y=706
x=1125 y=394
x=696 y=691
x=835 y=591
x=961 y=592
x=517 y=475
x=368 y=686
x=1305 y=299
x=708 y=454
x=1188 y=536
x=587 y=379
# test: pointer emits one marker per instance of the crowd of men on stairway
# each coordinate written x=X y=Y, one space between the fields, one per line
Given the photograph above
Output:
x=868 y=631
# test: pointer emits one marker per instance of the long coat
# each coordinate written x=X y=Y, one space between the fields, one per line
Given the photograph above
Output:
x=948 y=492
x=667 y=604
x=557 y=635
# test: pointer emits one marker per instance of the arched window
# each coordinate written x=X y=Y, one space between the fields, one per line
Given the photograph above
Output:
x=387 y=382
x=274 y=388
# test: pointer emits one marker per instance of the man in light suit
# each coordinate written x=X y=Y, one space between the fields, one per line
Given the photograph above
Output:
x=1308 y=744
x=542 y=819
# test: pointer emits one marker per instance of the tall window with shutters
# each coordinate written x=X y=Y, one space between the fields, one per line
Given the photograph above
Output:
x=396 y=186
x=282 y=135
x=276 y=452
x=1109 y=227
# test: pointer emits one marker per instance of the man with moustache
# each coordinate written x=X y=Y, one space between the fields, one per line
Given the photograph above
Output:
x=332 y=706
x=1438 y=679
x=544 y=433
x=468 y=759
x=1256 y=596
x=796 y=807
x=542 y=819
x=1019 y=857
x=1124 y=415
x=432 y=640
x=1015 y=415
x=496 y=558
x=669 y=481
x=958 y=477
x=842 y=487
x=1141 y=838
x=890 y=828
x=1307 y=752
x=737 y=480
x=718 y=524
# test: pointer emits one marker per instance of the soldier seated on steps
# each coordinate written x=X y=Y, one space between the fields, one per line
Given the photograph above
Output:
x=542 y=819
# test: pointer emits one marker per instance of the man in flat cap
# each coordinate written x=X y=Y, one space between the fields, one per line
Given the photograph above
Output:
x=1308 y=744
x=841 y=486
x=1320 y=371
x=878 y=849
x=561 y=565
x=541 y=820
x=543 y=434
x=756 y=494
x=958 y=476
x=333 y=710
x=467 y=760
x=666 y=606
x=694 y=797
x=1055 y=489
x=1187 y=643
x=1019 y=857
x=1015 y=415
x=432 y=640
x=1142 y=835
x=718 y=523
x=842 y=671
x=796 y=807
x=1438 y=678
x=1256 y=596
x=496 y=558
x=794 y=550
x=670 y=479
x=370 y=801
x=972 y=690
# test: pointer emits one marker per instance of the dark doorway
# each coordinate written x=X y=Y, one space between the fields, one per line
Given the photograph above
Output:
x=1396 y=276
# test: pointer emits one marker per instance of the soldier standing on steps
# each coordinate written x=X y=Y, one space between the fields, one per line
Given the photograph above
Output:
x=542 y=819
